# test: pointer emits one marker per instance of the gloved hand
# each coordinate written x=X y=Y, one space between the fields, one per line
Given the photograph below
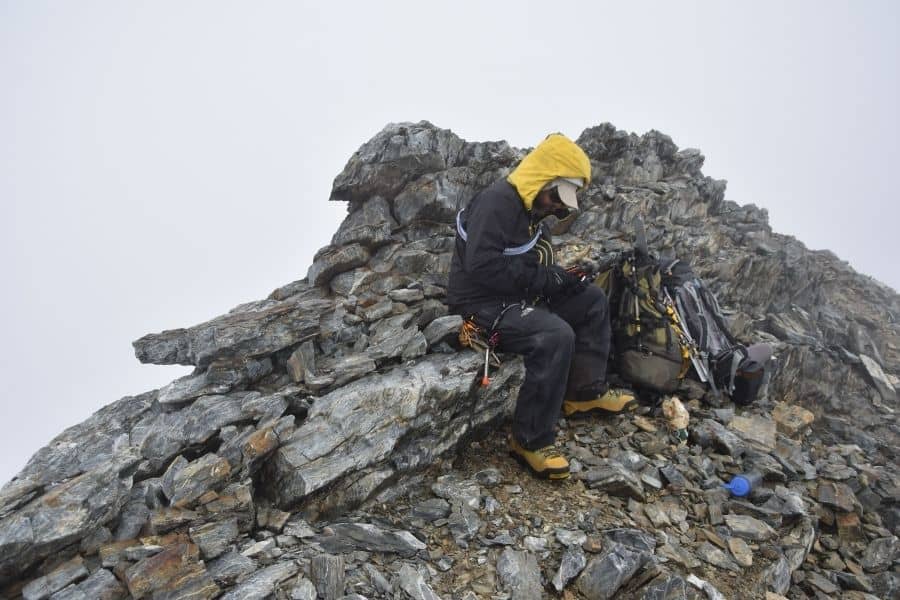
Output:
x=560 y=282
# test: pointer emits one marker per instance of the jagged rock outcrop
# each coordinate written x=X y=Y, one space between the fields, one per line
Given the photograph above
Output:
x=310 y=452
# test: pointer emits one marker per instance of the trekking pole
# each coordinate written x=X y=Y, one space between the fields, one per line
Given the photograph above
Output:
x=696 y=357
x=485 y=380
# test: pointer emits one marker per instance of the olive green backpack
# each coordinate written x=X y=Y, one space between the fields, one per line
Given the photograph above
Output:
x=650 y=349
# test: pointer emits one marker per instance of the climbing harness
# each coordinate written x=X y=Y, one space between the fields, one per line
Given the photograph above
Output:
x=473 y=336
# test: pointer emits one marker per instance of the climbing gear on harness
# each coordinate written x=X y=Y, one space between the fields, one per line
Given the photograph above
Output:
x=547 y=462
x=475 y=337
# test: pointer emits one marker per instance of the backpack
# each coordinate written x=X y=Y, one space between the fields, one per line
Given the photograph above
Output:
x=665 y=320
x=652 y=350
x=721 y=361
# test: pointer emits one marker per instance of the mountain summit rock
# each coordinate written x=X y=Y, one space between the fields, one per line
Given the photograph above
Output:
x=333 y=440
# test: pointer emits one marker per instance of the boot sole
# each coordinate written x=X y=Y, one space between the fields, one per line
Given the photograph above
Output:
x=599 y=410
x=551 y=474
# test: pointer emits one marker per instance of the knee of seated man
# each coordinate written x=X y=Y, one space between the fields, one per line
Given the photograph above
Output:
x=559 y=337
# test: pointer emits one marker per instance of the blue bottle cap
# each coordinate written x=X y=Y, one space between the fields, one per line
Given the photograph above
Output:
x=739 y=486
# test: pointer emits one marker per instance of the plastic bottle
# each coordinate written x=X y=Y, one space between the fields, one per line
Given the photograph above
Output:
x=741 y=485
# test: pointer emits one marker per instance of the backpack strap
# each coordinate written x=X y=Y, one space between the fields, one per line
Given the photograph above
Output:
x=512 y=251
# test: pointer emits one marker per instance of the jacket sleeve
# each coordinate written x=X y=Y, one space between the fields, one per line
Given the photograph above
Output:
x=489 y=230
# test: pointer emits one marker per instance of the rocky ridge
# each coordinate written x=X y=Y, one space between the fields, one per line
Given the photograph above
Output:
x=333 y=441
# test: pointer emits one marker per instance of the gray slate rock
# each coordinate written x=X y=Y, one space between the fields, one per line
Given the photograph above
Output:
x=407 y=295
x=101 y=585
x=880 y=554
x=213 y=539
x=161 y=436
x=345 y=537
x=256 y=330
x=633 y=539
x=380 y=582
x=330 y=261
x=851 y=581
x=837 y=495
x=569 y=537
x=185 y=481
x=816 y=582
x=614 y=479
x=778 y=576
x=370 y=226
x=371 y=417
x=67 y=513
x=301 y=365
x=431 y=509
x=327 y=573
x=443 y=329
x=455 y=490
x=463 y=524
x=217 y=379
x=709 y=433
x=520 y=575
x=389 y=337
x=412 y=582
x=231 y=567
x=716 y=557
x=303 y=590
x=346 y=369
x=42 y=587
x=99 y=443
x=173 y=573
x=666 y=587
x=263 y=583
x=605 y=574
x=886 y=584
x=399 y=154
x=880 y=381
x=572 y=563
x=749 y=528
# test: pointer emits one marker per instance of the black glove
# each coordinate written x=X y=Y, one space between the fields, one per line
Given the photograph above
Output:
x=560 y=282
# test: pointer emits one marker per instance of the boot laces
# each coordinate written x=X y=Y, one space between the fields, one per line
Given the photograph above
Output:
x=549 y=452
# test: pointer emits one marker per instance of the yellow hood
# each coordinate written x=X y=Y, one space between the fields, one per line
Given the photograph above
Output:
x=556 y=156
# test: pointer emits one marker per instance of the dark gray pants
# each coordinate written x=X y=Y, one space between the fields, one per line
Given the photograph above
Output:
x=565 y=345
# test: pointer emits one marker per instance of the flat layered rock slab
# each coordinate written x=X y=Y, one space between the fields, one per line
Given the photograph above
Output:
x=64 y=514
x=176 y=572
x=749 y=528
x=615 y=479
x=368 y=419
x=755 y=429
x=262 y=584
x=346 y=537
x=43 y=587
x=260 y=330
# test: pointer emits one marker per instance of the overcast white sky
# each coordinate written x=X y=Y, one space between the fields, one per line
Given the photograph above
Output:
x=162 y=162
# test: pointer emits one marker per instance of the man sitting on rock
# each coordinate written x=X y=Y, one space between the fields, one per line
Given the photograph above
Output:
x=504 y=277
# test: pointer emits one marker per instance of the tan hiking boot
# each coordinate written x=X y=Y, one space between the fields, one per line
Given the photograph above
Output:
x=612 y=402
x=547 y=462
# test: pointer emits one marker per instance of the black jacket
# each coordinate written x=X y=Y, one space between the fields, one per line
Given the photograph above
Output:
x=481 y=273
